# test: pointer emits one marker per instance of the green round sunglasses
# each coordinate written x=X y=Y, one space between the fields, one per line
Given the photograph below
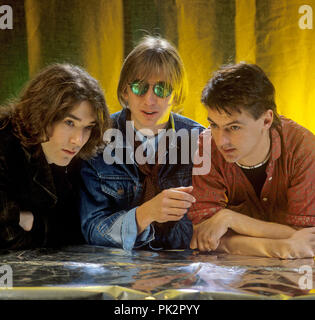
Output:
x=161 y=88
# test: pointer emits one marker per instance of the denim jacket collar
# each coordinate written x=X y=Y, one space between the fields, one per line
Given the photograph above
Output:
x=121 y=123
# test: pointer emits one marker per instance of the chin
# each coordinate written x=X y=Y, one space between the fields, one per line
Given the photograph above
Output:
x=230 y=159
x=63 y=162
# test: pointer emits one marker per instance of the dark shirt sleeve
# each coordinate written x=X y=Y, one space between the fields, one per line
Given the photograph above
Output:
x=172 y=235
x=12 y=236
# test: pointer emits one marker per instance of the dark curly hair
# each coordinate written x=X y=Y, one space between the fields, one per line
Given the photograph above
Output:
x=48 y=98
x=242 y=86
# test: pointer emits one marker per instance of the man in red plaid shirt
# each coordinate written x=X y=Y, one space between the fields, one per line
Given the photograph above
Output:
x=259 y=196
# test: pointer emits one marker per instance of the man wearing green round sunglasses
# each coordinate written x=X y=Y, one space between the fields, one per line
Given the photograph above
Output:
x=134 y=204
x=161 y=89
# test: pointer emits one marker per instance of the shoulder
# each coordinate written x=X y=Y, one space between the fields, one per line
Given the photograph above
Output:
x=98 y=167
x=182 y=122
x=8 y=141
x=115 y=116
x=12 y=156
x=93 y=164
x=296 y=138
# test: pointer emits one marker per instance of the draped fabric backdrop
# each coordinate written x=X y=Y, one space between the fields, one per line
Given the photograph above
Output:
x=98 y=34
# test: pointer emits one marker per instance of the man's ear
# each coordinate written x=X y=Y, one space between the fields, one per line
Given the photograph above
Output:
x=268 y=118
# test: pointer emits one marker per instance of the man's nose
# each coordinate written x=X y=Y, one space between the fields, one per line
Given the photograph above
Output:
x=222 y=138
x=77 y=137
x=150 y=97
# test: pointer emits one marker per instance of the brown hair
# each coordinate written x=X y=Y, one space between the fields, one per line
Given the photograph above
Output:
x=48 y=98
x=152 y=56
x=241 y=86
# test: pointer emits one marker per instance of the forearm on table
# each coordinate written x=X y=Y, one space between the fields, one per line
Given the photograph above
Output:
x=250 y=246
x=246 y=225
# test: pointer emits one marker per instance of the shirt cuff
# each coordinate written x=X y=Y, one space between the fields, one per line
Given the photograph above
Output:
x=129 y=232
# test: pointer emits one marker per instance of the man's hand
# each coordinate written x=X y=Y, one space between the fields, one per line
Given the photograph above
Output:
x=300 y=245
x=168 y=205
x=208 y=233
x=26 y=220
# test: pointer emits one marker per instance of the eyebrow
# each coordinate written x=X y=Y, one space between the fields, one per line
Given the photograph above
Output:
x=228 y=124
x=78 y=119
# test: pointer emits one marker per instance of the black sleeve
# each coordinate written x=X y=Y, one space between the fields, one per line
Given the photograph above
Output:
x=12 y=236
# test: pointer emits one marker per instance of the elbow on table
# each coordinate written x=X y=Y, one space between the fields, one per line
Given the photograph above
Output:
x=97 y=236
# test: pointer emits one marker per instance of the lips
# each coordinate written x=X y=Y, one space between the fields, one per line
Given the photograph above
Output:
x=228 y=150
x=149 y=114
x=70 y=153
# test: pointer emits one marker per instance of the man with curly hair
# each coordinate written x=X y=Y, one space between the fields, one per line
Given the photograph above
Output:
x=60 y=117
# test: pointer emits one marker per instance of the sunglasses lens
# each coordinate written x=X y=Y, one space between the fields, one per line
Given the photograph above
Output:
x=139 y=88
x=162 y=89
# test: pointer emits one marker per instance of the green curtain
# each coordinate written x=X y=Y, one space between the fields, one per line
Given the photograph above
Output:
x=98 y=34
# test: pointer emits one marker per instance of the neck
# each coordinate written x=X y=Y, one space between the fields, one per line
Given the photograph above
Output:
x=261 y=153
x=149 y=131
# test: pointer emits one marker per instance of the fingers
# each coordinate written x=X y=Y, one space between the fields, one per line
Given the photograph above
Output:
x=193 y=242
x=203 y=241
x=174 y=203
x=175 y=211
x=172 y=217
x=26 y=220
x=180 y=194
x=171 y=204
x=171 y=214
x=185 y=189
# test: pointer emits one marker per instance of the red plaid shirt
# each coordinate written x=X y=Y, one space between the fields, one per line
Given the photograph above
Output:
x=288 y=195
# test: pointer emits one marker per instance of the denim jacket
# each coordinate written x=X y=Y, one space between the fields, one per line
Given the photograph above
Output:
x=111 y=193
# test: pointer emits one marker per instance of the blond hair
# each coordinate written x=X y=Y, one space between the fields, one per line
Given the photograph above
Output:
x=154 y=56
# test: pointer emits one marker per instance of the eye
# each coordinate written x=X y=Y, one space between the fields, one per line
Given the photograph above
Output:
x=235 y=128
x=69 y=123
x=213 y=125
x=89 y=128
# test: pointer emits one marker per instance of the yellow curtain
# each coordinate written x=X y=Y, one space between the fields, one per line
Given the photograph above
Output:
x=277 y=35
x=103 y=46
x=287 y=52
x=87 y=33
x=245 y=35
x=196 y=44
x=32 y=18
x=266 y=33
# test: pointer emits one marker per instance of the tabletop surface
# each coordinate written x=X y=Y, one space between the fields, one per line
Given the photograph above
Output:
x=92 y=272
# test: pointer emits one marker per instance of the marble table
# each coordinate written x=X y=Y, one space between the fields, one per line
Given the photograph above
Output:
x=92 y=272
